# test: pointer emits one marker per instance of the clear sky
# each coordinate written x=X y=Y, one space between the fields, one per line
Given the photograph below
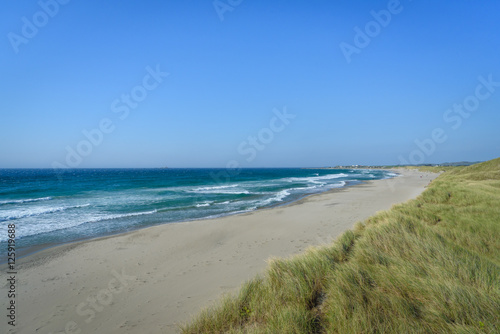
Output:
x=191 y=83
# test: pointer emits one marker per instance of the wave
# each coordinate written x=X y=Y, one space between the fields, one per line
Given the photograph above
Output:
x=118 y=216
x=35 y=229
x=23 y=213
x=215 y=187
x=330 y=176
x=204 y=204
x=28 y=200
x=305 y=188
x=238 y=192
x=315 y=179
x=220 y=190
x=337 y=185
x=277 y=198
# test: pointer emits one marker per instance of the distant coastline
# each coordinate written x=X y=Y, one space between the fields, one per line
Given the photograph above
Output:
x=445 y=164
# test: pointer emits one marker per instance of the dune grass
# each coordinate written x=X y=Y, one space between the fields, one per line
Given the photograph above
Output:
x=432 y=169
x=431 y=265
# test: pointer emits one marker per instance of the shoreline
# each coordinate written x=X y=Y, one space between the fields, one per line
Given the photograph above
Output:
x=170 y=272
x=29 y=251
x=71 y=244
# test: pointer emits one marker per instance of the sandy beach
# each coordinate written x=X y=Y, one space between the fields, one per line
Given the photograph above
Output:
x=151 y=280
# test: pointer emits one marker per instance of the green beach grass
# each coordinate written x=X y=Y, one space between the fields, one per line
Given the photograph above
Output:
x=430 y=265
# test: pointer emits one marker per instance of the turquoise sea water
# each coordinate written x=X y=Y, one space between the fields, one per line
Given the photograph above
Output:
x=49 y=208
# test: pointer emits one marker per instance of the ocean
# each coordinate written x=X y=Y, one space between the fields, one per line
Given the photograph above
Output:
x=51 y=209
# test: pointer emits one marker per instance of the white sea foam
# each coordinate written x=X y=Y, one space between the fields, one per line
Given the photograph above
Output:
x=277 y=198
x=87 y=219
x=300 y=189
x=315 y=179
x=220 y=190
x=215 y=187
x=28 y=200
x=390 y=175
x=337 y=185
x=118 y=216
x=330 y=176
x=201 y=205
x=34 y=211
x=35 y=227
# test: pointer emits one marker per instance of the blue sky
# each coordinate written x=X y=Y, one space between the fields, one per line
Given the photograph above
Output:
x=235 y=68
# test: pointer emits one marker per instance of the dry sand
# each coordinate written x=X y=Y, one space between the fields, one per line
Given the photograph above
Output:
x=150 y=280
